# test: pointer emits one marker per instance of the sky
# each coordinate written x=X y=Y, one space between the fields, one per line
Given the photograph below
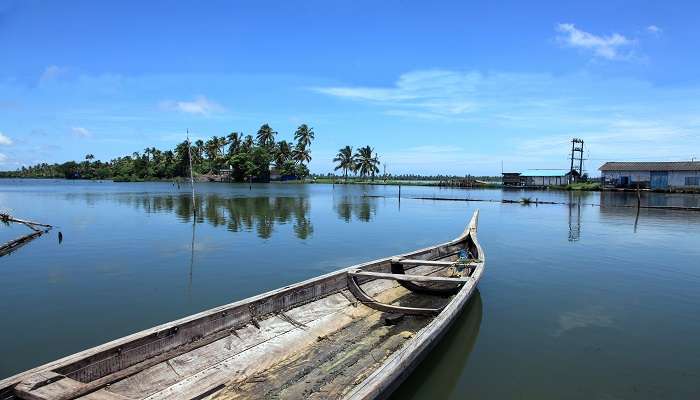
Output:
x=434 y=87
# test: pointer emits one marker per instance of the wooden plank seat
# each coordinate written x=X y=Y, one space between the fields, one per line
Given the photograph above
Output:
x=369 y=301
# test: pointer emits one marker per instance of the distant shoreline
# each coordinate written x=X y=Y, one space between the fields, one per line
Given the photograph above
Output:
x=580 y=187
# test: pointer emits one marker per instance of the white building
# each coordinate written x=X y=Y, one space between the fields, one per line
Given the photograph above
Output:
x=547 y=177
x=653 y=175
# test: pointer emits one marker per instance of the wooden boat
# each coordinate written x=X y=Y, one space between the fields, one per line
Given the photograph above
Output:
x=351 y=334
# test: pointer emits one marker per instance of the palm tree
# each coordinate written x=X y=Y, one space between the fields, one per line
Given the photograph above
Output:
x=234 y=142
x=304 y=135
x=222 y=142
x=211 y=149
x=345 y=160
x=283 y=153
x=89 y=157
x=301 y=154
x=265 y=136
x=367 y=164
x=248 y=143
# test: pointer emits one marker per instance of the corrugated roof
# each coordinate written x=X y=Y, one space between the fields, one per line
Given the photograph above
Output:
x=545 y=172
x=651 y=166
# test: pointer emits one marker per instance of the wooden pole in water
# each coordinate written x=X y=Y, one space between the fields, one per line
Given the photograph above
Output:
x=189 y=152
x=639 y=198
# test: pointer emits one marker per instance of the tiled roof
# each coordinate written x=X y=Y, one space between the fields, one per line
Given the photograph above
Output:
x=651 y=166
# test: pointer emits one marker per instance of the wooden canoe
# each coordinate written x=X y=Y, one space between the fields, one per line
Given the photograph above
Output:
x=351 y=334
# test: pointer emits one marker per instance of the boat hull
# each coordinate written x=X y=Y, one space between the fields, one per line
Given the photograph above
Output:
x=218 y=353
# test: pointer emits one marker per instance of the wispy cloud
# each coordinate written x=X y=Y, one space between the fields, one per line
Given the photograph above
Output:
x=81 y=132
x=3 y=158
x=611 y=47
x=528 y=120
x=200 y=105
x=5 y=140
x=428 y=93
x=621 y=139
x=51 y=72
x=654 y=30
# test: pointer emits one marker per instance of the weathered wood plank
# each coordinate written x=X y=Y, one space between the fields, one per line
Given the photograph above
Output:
x=330 y=365
x=411 y=278
x=53 y=390
x=406 y=261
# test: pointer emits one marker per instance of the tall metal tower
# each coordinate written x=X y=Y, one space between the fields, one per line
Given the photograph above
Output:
x=577 y=155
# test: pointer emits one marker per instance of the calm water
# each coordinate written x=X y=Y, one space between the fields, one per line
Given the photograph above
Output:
x=578 y=301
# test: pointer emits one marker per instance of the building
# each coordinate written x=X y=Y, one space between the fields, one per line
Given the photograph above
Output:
x=652 y=175
x=511 y=179
x=540 y=177
x=548 y=177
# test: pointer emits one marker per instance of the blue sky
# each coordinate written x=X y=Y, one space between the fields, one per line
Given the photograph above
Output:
x=435 y=87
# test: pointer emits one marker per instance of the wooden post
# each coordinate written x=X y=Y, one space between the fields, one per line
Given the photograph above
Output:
x=639 y=197
x=399 y=193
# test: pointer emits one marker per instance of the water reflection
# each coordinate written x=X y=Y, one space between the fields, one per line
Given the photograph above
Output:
x=621 y=208
x=439 y=375
x=235 y=213
x=610 y=199
x=574 y=217
x=363 y=208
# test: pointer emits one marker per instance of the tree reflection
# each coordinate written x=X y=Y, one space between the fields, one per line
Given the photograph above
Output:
x=260 y=214
x=364 y=208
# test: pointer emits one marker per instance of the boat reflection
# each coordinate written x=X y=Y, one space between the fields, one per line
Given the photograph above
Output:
x=441 y=371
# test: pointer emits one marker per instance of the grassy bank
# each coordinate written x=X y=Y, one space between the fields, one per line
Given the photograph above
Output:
x=351 y=181
x=584 y=186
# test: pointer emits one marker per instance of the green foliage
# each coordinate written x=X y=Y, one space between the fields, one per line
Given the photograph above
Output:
x=366 y=163
x=247 y=159
x=346 y=161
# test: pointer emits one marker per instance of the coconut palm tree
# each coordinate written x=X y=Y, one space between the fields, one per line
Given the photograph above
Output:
x=234 y=142
x=265 y=136
x=222 y=142
x=304 y=135
x=345 y=160
x=248 y=143
x=366 y=163
x=301 y=154
x=283 y=152
x=211 y=149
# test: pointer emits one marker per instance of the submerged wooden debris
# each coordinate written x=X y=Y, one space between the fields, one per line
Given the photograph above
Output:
x=14 y=244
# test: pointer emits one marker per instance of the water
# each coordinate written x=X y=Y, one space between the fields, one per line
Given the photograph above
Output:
x=578 y=301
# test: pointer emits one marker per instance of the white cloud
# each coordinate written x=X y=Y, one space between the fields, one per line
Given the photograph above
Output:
x=5 y=140
x=81 y=132
x=3 y=158
x=200 y=105
x=51 y=72
x=653 y=29
x=423 y=94
x=608 y=47
x=620 y=139
x=528 y=120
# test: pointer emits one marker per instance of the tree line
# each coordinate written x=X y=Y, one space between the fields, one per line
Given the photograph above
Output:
x=364 y=162
x=243 y=156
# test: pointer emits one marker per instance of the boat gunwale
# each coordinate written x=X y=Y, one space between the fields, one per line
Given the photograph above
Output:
x=386 y=378
x=9 y=382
